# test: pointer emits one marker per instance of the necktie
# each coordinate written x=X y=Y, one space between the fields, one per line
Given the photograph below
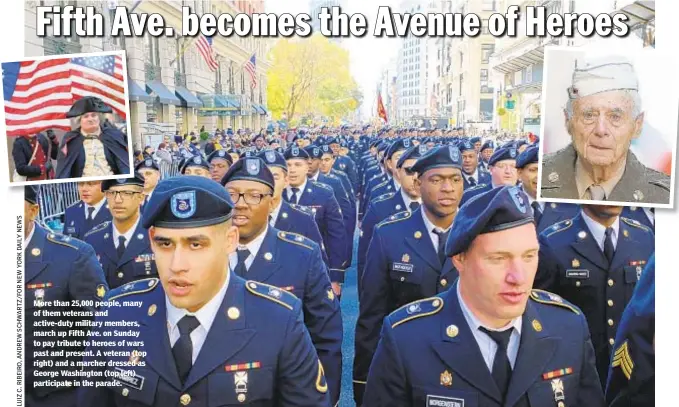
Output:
x=413 y=206
x=240 y=265
x=183 y=348
x=121 y=246
x=537 y=212
x=89 y=218
x=472 y=182
x=441 y=249
x=609 y=250
x=597 y=193
x=294 y=199
x=502 y=369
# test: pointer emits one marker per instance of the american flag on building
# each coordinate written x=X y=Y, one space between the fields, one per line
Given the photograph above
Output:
x=251 y=68
x=39 y=93
x=204 y=45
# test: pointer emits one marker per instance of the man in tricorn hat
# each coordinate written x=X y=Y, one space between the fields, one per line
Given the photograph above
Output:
x=92 y=149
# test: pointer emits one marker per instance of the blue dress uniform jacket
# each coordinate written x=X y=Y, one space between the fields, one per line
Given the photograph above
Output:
x=379 y=209
x=428 y=356
x=299 y=219
x=631 y=377
x=380 y=189
x=483 y=178
x=555 y=213
x=75 y=224
x=257 y=353
x=573 y=266
x=72 y=164
x=65 y=269
x=401 y=266
x=373 y=178
x=474 y=191
x=321 y=200
x=344 y=201
x=294 y=263
x=138 y=261
x=348 y=166
x=638 y=214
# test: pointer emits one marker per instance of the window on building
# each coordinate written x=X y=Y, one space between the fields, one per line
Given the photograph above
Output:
x=152 y=50
x=485 y=88
x=486 y=51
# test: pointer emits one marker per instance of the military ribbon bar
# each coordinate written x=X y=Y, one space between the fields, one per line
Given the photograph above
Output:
x=243 y=366
x=40 y=285
x=557 y=373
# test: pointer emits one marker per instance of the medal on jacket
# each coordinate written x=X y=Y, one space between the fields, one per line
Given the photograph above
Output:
x=557 y=388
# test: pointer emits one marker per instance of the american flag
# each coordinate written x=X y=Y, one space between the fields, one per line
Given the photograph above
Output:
x=39 y=93
x=251 y=68
x=204 y=45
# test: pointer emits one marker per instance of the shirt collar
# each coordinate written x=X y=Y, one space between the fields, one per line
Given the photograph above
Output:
x=599 y=231
x=475 y=324
x=128 y=235
x=430 y=226
x=407 y=200
x=96 y=207
x=583 y=180
x=314 y=177
x=206 y=315
x=474 y=174
x=30 y=235
x=275 y=212
x=256 y=243
x=531 y=200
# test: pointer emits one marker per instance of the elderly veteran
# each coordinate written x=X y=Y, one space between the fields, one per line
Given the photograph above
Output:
x=92 y=149
x=603 y=115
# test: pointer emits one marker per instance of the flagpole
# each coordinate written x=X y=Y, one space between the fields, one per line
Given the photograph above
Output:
x=185 y=47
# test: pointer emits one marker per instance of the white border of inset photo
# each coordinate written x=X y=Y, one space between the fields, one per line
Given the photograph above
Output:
x=4 y=160
x=656 y=74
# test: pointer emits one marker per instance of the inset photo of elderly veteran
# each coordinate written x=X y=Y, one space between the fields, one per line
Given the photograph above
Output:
x=66 y=118
x=609 y=134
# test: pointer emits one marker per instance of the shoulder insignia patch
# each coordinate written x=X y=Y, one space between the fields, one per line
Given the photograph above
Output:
x=98 y=228
x=416 y=309
x=62 y=240
x=662 y=183
x=381 y=184
x=394 y=218
x=558 y=227
x=322 y=185
x=294 y=238
x=635 y=223
x=545 y=297
x=134 y=287
x=302 y=209
x=384 y=197
x=272 y=293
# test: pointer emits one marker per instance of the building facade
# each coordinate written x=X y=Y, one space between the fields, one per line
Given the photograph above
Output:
x=171 y=89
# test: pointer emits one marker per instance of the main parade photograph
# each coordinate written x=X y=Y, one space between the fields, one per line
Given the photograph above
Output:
x=353 y=221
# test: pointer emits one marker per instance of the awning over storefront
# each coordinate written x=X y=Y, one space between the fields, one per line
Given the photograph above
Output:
x=217 y=105
x=156 y=89
x=234 y=100
x=258 y=109
x=187 y=98
x=136 y=93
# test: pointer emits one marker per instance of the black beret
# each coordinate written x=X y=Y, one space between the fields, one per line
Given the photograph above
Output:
x=500 y=154
x=220 y=154
x=465 y=145
x=296 y=152
x=529 y=156
x=249 y=169
x=137 y=180
x=412 y=152
x=187 y=202
x=488 y=144
x=147 y=163
x=195 y=161
x=438 y=157
x=499 y=209
x=31 y=194
x=273 y=158
x=398 y=145
x=88 y=104
x=314 y=151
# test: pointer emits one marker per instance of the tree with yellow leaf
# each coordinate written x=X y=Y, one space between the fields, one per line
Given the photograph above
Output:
x=310 y=77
